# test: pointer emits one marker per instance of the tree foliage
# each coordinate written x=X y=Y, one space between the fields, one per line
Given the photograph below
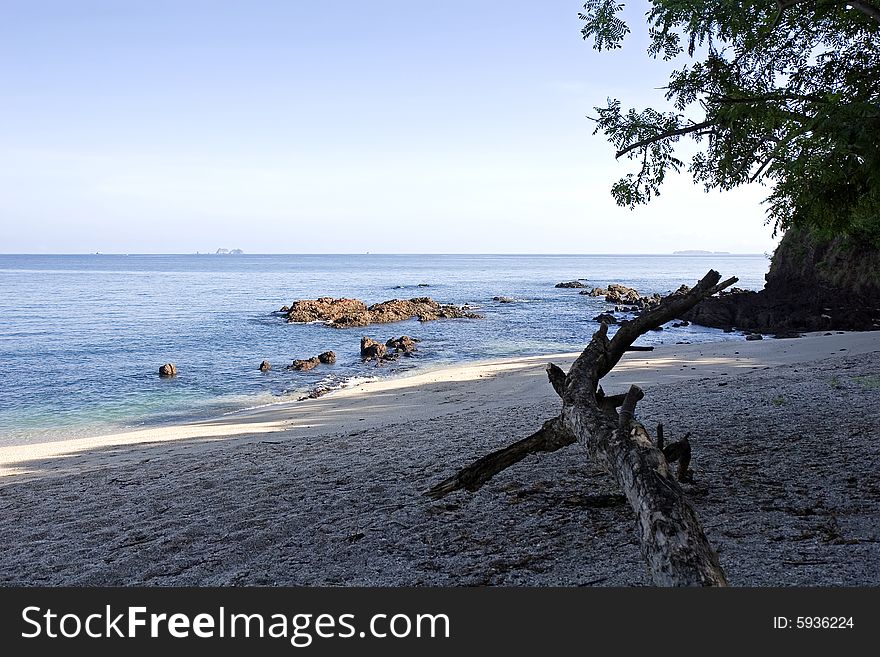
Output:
x=781 y=92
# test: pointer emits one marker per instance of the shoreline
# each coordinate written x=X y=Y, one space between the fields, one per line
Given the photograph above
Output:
x=785 y=466
x=441 y=391
x=211 y=408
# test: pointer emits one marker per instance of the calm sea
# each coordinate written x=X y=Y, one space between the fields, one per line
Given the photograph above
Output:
x=82 y=336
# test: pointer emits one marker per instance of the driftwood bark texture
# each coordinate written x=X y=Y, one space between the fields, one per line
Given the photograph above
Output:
x=672 y=540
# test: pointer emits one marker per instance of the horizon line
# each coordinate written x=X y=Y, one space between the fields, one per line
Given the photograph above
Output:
x=388 y=253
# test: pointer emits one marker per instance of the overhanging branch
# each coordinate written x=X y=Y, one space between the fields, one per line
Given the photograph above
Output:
x=666 y=135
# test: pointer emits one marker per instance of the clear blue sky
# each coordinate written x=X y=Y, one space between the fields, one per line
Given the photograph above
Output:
x=309 y=126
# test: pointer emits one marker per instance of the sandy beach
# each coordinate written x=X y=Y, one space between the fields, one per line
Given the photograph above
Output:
x=329 y=490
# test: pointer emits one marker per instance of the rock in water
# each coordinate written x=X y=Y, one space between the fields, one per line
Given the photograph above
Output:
x=346 y=313
x=503 y=299
x=168 y=369
x=425 y=309
x=754 y=336
x=570 y=284
x=304 y=365
x=403 y=344
x=265 y=366
x=370 y=349
x=605 y=318
x=323 y=309
x=328 y=357
x=621 y=294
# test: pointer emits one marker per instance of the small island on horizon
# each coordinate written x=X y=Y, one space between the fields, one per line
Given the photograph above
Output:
x=700 y=252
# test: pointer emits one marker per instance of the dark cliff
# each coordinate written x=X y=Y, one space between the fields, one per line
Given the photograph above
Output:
x=812 y=285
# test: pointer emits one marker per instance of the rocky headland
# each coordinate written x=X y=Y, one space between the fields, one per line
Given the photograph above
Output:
x=813 y=285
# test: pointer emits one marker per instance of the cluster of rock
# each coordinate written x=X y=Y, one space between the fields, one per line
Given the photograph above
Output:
x=570 y=284
x=621 y=294
x=391 y=350
x=503 y=299
x=347 y=313
x=327 y=358
x=404 y=345
x=629 y=300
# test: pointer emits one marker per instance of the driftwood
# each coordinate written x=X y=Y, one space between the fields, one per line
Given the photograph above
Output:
x=672 y=540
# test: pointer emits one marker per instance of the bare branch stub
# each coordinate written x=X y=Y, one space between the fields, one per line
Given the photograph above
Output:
x=679 y=451
x=628 y=407
x=556 y=375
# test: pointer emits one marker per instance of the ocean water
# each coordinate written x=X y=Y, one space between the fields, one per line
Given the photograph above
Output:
x=82 y=336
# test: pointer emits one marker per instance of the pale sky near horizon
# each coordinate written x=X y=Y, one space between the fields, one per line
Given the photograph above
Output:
x=175 y=126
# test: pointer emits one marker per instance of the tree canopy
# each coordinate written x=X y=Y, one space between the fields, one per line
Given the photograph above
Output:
x=785 y=93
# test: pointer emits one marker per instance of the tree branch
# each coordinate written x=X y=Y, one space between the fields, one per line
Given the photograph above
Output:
x=557 y=378
x=673 y=542
x=665 y=135
x=549 y=438
x=602 y=354
x=863 y=6
x=866 y=8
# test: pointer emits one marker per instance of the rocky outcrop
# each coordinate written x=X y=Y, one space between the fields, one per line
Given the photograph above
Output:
x=348 y=313
x=323 y=309
x=168 y=369
x=570 y=284
x=626 y=295
x=304 y=365
x=265 y=366
x=605 y=318
x=424 y=309
x=404 y=344
x=617 y=293
x=813 y=285
x=503 y=299
x=626 y=298
x=372 y=350
x=327 y=358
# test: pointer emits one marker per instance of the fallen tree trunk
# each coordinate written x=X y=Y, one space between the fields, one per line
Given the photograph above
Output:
x=673 y=542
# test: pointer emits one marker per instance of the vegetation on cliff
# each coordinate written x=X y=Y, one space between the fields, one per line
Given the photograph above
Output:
x=779 y=92
x=782 y=93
